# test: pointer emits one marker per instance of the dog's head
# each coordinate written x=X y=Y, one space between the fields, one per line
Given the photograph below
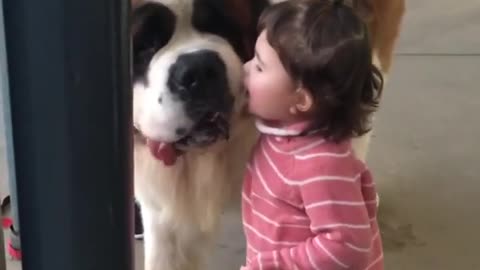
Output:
x=187 y=66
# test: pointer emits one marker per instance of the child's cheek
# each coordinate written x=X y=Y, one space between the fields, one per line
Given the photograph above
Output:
x=254 y=92
x=254 y=99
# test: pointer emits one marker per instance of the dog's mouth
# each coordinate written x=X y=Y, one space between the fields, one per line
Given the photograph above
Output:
x=211 y=128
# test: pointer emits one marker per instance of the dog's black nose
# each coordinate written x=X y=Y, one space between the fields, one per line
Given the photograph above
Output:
x=199 y=80
x=197 y=75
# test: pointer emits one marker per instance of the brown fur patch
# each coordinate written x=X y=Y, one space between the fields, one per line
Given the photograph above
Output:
x=241 y=12
x=385 y=27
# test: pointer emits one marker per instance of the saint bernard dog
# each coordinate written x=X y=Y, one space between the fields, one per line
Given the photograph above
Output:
x=192 y=134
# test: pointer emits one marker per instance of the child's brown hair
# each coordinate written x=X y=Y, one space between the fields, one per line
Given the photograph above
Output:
x=324 y=46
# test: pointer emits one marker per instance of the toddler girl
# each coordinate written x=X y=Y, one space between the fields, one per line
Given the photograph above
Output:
x=307 y=202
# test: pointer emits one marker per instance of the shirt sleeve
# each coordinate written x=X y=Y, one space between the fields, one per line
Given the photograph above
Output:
x=340 y=214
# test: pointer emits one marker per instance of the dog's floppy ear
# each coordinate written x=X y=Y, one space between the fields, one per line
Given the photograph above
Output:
x=364 y=9
x=152 y=26
x=135 y=3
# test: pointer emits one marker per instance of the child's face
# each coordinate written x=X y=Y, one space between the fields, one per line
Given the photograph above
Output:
x=271 y=90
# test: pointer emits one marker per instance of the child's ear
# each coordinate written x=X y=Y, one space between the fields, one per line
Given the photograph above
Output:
x=304 y=101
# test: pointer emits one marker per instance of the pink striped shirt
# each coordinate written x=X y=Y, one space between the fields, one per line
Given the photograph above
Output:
x=308 y=204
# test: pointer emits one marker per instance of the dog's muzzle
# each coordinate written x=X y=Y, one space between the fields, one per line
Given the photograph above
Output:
x=210 y=129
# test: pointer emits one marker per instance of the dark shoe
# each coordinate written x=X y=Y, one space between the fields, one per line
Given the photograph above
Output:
x=138 y=222
x=13 y=245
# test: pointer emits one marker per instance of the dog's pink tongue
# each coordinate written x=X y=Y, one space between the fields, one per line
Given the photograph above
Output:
x=163 y=151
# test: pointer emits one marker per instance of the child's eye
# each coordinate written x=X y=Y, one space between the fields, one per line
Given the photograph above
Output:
x=258 y=68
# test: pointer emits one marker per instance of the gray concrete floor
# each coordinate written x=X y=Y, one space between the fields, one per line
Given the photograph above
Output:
x=424 y=154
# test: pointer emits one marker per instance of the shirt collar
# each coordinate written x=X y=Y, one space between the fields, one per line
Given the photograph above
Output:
x=282 y=130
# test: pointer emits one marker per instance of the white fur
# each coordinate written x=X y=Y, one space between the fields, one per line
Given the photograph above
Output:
x=181 y=205
x=361 y=145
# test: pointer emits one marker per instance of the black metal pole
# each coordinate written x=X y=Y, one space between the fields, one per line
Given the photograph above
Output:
x=69 y=75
